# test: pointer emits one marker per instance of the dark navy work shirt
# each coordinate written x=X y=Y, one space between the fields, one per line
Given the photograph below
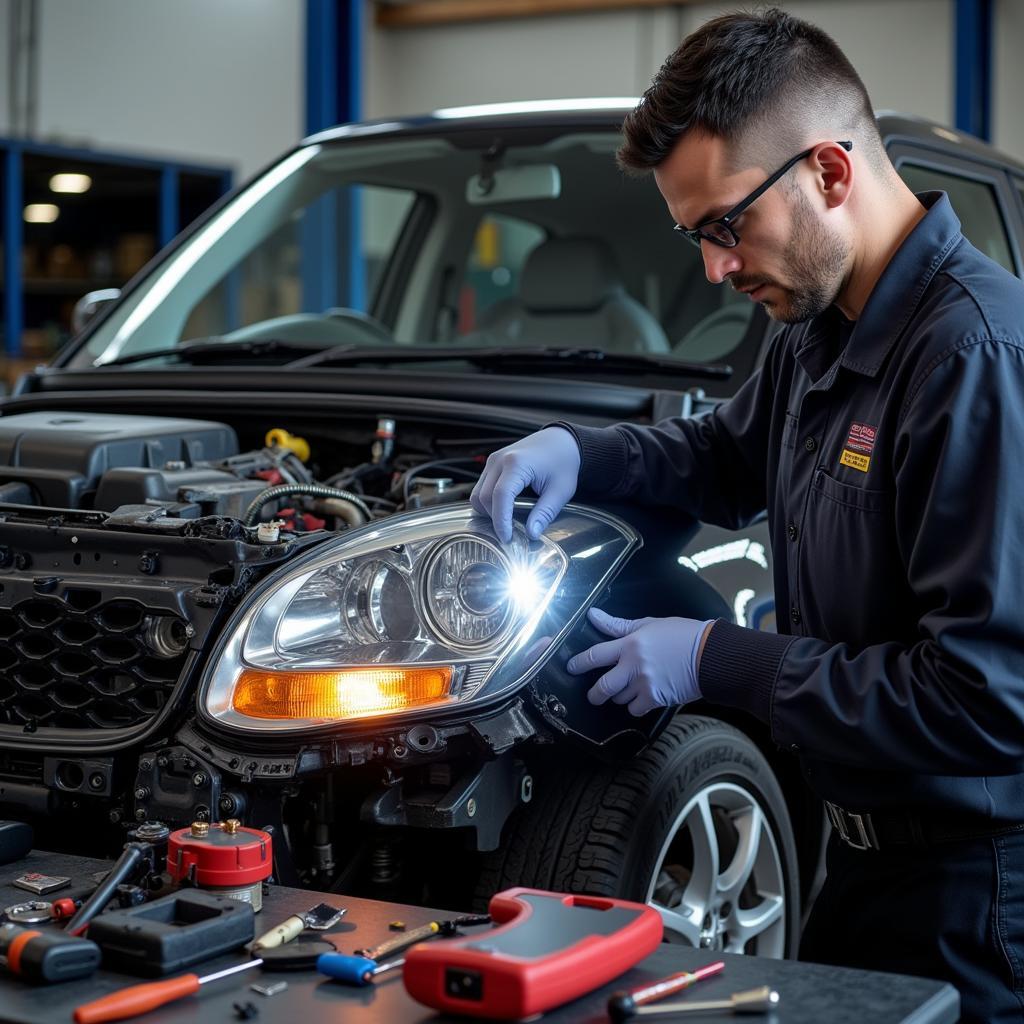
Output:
x=889 y=454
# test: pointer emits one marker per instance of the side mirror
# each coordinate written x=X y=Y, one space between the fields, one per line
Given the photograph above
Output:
x=90 y=304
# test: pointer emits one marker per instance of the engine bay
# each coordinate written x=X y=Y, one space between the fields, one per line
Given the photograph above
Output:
x=194 y=468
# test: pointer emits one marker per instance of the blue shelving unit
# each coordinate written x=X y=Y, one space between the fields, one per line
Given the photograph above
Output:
x=170 y=177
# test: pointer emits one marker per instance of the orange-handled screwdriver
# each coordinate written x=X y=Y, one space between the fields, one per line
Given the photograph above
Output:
x=130 y=1002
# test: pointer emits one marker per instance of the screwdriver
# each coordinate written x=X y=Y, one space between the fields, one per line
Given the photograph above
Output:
x=624 y=1004
x=47 y=956
x=129 y=1002
x=755 y=1000
x=356 y=970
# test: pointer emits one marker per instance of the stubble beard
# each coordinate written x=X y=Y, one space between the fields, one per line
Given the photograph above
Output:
x=815 y=258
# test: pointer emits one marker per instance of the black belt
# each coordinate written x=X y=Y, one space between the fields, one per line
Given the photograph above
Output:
x=878 y=831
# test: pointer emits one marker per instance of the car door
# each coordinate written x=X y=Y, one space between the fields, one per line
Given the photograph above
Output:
x=987 y=204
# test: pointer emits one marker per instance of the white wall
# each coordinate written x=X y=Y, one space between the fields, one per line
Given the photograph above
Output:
x=1008 y=78
x=211 y=81
x=222 y=81
x=902 y=48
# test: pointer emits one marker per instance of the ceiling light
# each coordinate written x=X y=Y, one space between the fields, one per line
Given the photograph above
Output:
x=41 y=213
x=74 y=183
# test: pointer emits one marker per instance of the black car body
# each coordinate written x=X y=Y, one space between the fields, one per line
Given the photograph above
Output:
x=152 y=669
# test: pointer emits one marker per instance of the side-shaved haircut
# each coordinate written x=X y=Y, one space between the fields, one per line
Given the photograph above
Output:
x=765 y=82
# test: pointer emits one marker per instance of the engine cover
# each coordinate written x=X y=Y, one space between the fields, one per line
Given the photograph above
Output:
x=62 y=457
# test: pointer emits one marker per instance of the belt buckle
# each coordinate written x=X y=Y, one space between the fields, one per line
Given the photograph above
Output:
x=862 y=834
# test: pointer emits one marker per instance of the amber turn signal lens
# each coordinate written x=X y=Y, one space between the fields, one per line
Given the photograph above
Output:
x=339 y=693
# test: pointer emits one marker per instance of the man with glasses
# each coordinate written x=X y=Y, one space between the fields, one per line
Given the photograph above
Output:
x=882 y=434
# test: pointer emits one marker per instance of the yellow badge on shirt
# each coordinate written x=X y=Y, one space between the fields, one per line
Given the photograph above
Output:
x=855 y=461
x=858 y=448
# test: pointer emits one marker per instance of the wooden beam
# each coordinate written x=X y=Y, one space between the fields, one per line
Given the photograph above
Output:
x=417 y=13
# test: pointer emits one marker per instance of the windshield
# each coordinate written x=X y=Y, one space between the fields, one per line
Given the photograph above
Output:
x=436 y=242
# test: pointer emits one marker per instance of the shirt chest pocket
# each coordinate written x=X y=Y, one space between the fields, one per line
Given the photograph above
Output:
x=827 y=491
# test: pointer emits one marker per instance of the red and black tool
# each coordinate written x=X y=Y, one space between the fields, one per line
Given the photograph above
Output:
x=627 y=1002
x=47 y=956
x=549 y=948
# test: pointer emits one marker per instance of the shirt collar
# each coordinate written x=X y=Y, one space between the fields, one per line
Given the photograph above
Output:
x=898 y=291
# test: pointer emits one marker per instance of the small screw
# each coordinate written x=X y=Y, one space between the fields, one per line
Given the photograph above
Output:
x=141 y=793
x=226 y=805
x=556 y=707
x=96 y=781
x=140 y=814
x=399 y=750
x=114 y=815
x=471 y=807
x=199 y=779
x=146 y=765
x=161 y=762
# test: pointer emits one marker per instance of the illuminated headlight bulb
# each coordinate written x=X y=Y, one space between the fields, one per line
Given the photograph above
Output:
x=523 y=588
x=467 y=595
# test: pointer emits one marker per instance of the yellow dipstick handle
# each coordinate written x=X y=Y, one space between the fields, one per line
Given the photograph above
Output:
x=278 y=438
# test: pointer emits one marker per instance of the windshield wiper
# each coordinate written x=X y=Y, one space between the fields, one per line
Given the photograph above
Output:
x=541 y=357
x=200 y=351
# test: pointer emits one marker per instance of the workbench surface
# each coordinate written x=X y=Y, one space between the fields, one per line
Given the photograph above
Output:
x=810 y=993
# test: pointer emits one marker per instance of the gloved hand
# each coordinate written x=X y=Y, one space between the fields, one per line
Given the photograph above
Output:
x=653 y=661
x=548 y=461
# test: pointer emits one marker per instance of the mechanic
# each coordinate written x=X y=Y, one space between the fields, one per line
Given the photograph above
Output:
x=883 y=434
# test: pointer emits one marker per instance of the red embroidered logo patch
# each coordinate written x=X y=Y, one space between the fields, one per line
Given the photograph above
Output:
x=859 y=446
x=862 y=438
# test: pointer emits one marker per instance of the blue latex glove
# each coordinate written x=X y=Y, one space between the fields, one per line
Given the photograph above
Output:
x=653 y=662
x=548 y=461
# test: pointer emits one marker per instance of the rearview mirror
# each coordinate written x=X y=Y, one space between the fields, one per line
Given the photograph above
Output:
x=509 y=184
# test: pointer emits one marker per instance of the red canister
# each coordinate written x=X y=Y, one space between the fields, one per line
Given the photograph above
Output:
x=224 y=857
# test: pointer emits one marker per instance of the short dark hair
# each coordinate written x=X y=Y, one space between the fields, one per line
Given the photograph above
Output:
x=742 y=71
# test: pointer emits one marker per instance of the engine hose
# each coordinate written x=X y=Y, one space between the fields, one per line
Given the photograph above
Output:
x=312 y=490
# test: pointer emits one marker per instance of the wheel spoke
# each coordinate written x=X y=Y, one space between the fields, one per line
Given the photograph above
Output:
x=686 y=924
x=702 y=889
x=755 y=920
x=748 y=824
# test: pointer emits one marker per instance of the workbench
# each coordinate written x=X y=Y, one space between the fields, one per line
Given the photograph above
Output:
x=810 y=993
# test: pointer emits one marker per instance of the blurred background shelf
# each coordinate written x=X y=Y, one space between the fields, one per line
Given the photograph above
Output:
x=77 y=220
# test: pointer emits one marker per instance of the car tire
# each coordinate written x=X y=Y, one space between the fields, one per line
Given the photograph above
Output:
x=632 y=832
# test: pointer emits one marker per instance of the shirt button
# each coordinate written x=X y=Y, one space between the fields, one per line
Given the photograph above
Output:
x=792 y=532
x=794 y=615
x=811 y=444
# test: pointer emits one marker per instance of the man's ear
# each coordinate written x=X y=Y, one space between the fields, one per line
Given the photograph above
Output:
x=834 y=167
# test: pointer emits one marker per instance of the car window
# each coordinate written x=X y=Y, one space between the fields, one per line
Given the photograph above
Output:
x=566 y=251
x=975 y=204
x=497 y=256
x=274 y=280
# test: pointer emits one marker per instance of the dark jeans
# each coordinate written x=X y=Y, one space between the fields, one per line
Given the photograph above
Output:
x=953 y=911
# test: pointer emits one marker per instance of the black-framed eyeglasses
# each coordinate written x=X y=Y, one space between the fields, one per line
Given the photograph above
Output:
x=720 y=229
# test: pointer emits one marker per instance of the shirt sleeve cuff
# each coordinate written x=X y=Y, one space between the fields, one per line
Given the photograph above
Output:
x=604 y=459
x=739 y=667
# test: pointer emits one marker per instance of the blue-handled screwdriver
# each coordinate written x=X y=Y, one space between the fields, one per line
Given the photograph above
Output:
x=356 y=970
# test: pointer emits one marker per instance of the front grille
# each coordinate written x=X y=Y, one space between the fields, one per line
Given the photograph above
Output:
x=78 y=662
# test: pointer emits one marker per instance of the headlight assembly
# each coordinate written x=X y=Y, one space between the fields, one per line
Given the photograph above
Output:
x=426 y=612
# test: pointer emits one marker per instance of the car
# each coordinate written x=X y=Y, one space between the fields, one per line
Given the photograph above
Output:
x=240 y=576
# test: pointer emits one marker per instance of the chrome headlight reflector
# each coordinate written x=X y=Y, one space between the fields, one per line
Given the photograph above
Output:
x=423 y=612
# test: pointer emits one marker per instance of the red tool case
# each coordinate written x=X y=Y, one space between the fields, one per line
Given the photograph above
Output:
x=549 y=948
